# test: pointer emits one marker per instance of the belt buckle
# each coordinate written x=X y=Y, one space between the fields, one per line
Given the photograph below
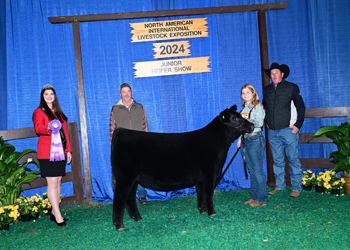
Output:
x=251 y=134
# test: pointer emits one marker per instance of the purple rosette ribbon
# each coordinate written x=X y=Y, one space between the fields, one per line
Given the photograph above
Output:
x=56 y=153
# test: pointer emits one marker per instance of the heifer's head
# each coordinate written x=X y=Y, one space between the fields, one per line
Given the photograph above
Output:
x=233 y=119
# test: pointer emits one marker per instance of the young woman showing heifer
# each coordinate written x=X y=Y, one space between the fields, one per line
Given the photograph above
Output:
x=254 y=112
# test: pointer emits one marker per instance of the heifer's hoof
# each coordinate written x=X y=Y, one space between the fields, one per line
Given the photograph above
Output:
x=137 y=218
x=213 y=214
x=202 y=210
x=121 y=229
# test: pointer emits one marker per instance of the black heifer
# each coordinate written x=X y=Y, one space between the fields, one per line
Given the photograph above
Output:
x=164 y=161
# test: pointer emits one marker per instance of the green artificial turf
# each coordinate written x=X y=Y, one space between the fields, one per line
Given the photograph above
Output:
x=312 y=221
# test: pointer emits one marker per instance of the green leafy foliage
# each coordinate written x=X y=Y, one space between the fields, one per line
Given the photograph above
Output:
x=341 y=137
x=13 y=174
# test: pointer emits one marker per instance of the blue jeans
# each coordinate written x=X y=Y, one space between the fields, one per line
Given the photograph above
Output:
x=280 y=140
x=142 y=192
x=254 y=153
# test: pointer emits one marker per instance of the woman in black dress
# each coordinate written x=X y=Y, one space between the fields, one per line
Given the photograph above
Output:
x=52 y=169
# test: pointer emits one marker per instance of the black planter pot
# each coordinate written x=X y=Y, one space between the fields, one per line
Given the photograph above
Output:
x=319 y=189
x=335 y=191
x=307 y=188
x=5 y=227
x=35 y=217
x=26 y=217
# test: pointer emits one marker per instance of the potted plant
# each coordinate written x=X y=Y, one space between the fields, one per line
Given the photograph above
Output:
x=319 y=183
x=8 y=215
x=308 y=180
x=24 y=208
x=332 y=183
x=12 y=174
x=341 y=137
x=35 y=206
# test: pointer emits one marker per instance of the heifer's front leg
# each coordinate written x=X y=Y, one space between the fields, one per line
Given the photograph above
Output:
x=200 y=199
x=131 y=204
x=208 y=197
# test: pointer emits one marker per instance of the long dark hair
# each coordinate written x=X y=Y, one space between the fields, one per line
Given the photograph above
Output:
x=55 y=104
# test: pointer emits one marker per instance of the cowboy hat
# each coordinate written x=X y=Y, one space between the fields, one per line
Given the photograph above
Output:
x=283 y=68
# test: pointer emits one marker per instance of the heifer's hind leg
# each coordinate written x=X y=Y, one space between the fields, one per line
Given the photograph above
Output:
x=118 y=210
x=131 y=204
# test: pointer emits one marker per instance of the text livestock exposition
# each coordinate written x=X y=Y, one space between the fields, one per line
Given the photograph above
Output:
x=166 y=30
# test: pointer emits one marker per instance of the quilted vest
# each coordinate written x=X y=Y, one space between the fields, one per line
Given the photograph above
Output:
x=278 y=105
x=129 y=119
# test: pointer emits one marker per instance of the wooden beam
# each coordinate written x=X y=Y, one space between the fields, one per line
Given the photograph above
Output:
x=41 y=182
x=327 y=112
x=168 y=13
x=316 y=163
x=15 y=134
x=304 y=137
x=82 y=112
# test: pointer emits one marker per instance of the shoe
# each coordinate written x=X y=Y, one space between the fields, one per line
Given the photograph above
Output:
x=53 y=218
x=249 y=201
x=143 y=201
x=62 y=224
x=274 y=191
x=256 y=204
x=295 y=194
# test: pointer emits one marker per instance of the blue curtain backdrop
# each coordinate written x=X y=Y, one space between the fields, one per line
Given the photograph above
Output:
x=3 y=83
x=311 y=36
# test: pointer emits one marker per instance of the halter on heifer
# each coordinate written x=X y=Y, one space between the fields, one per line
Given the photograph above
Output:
x=243 y=155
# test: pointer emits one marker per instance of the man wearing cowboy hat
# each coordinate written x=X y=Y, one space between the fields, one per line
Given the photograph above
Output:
x=285 y=111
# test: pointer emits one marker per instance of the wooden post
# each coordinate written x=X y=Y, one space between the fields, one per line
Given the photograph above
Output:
x=264 y=58
x=82 y=112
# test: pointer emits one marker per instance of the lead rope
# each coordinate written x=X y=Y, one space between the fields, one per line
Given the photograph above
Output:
x=222 y=175
x=243 y=156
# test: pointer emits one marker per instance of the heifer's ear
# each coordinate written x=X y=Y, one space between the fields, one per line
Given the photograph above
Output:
x=234 y=108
